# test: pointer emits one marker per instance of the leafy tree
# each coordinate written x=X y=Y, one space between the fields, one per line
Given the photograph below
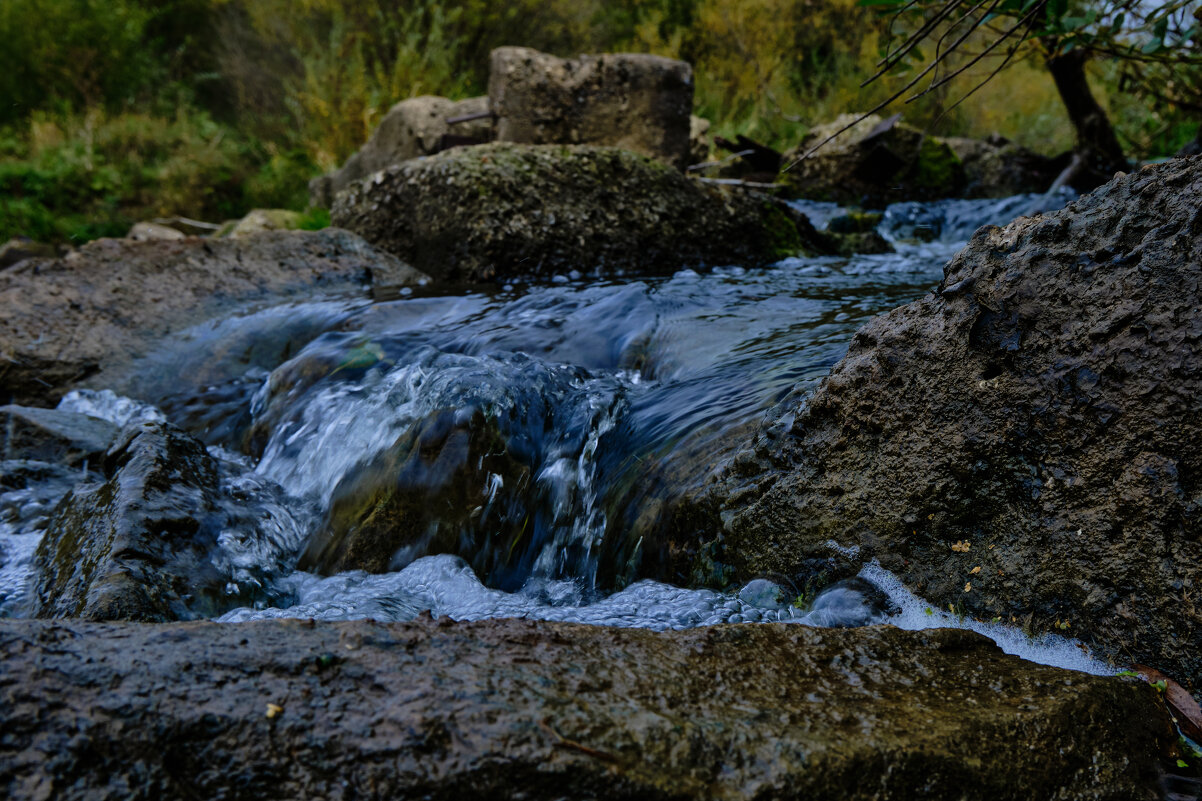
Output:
x=1158 y=43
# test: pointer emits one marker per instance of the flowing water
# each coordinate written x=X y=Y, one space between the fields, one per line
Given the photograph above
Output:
x=522 y=430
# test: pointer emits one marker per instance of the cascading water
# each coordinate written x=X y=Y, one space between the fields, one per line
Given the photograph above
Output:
x=476 y=452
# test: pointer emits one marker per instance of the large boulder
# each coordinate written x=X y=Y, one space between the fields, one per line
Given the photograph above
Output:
x=88 y=314
x=873 y=163
x=996 y=167
x=1022 y=443
x=490 y=212
x=634 y=101
x=514 y=708
x=415 y=127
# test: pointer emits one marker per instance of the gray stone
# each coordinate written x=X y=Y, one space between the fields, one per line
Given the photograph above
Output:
x=88 y=314
x=412 y=128
x=630 y=100
x=1023 y=442
x=146 y=231
x=49 y=435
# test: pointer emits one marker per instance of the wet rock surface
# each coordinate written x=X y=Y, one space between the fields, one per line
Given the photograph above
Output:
x=634 y=101
x=438 y=710
x=489 y=212
x=1022 y=443
x=146 y=541
x=449 y=485
x=134 y=547
x=86 y=315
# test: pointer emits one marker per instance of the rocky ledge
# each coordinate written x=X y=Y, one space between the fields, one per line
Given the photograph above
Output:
x=1020 y=444
x=508 y=709
x=88 y=314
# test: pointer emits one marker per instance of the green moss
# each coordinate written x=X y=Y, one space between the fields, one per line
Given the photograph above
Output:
x=783 y=237
x=937 y=167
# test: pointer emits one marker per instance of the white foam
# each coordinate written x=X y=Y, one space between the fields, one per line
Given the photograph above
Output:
x=1047 y=649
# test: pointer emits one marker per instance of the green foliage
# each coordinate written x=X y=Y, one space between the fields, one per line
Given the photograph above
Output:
x=74 y=178
x=314 y=218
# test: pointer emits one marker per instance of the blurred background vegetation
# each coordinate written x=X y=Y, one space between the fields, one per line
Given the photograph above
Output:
x=115 y=111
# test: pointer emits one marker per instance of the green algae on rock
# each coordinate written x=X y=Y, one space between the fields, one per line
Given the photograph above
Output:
x=490 y=212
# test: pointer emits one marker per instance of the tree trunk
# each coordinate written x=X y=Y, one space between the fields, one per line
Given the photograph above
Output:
x=1097 y=146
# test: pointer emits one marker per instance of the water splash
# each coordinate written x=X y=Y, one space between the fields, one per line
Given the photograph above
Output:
x=915 y=614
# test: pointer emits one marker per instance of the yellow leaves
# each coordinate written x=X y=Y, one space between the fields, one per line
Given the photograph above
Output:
x=962 y=546
x=1063 y=625
x=273 y=711
x=975 y=570
x=968 y=586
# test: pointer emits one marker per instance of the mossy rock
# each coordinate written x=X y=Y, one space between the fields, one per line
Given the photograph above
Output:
x=491 y=212
x=874 y=163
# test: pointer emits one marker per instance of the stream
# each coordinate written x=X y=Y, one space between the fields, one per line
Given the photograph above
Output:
x=602 y=392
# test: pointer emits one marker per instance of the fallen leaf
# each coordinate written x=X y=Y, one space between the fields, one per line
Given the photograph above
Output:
x=1185 y=709
x=962 y=546
x=975 y=570
x=967 y=586
x=273 y=711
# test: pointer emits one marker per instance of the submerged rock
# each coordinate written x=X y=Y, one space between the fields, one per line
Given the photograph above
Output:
x=874 y=163
x=449 y=485
x=414 y=127
x=88 y=314
x=1023 y=443
x=490 y=212
x=634 y=101
x=508 y=708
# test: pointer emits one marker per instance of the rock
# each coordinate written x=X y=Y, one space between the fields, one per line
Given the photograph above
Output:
x=146 y=231
x=633 y=101
x=856 y=232
x=164 y=535
x=493 y=709
x=699 y=143
x=998 y=168
x=448 y=485
x=50 y=435
x=20 y=248
x=89 y=314
x=260 y=220
x=490 y=212
x=874 y=163
x=1037 y=417
x=135 y=547
x=412 y=128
